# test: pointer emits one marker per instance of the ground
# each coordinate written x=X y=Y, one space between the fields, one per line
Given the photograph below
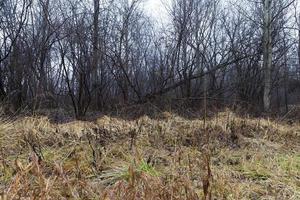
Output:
x=167 y=157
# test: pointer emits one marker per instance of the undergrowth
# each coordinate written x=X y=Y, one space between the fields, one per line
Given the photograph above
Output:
x=166 y=158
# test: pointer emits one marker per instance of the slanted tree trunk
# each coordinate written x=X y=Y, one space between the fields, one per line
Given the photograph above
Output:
x=267 y=55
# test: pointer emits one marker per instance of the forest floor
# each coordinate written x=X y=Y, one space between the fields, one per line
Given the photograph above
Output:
x=161 y=158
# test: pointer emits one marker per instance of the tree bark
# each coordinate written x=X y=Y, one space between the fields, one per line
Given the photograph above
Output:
x=95 y=59
x=267 y=55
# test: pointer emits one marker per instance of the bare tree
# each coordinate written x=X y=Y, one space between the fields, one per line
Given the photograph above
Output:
x=95 y=55
x=267 y=53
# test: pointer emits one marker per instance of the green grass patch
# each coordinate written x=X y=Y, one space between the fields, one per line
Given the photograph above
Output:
x=148 y=169
x=289 y=163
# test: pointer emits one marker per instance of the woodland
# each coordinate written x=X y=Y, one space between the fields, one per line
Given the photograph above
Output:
x=101 y=100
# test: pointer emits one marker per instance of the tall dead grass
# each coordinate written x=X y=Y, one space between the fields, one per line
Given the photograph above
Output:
x=164 y=158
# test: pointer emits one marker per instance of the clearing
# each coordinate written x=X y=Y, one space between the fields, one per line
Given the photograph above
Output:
x=150 y=158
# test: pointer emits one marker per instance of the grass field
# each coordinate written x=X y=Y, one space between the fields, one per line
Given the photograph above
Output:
x=169 y=157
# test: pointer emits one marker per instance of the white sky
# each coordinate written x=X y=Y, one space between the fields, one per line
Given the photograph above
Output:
x=157 y=9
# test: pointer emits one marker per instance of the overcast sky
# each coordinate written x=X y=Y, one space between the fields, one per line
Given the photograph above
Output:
x=156 y=9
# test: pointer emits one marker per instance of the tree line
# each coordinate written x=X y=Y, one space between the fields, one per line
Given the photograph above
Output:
x=96 y=54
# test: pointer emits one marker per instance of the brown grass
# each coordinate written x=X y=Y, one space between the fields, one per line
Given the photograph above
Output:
x=161 y=159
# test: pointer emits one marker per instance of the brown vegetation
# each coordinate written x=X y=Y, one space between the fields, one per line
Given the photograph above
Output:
x=166 y=158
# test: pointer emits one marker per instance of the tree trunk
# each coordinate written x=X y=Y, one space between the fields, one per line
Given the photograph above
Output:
x=95 y=59
x=298 y=50
x=267 y=55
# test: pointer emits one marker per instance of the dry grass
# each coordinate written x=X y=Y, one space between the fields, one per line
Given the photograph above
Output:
x=160 y=159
